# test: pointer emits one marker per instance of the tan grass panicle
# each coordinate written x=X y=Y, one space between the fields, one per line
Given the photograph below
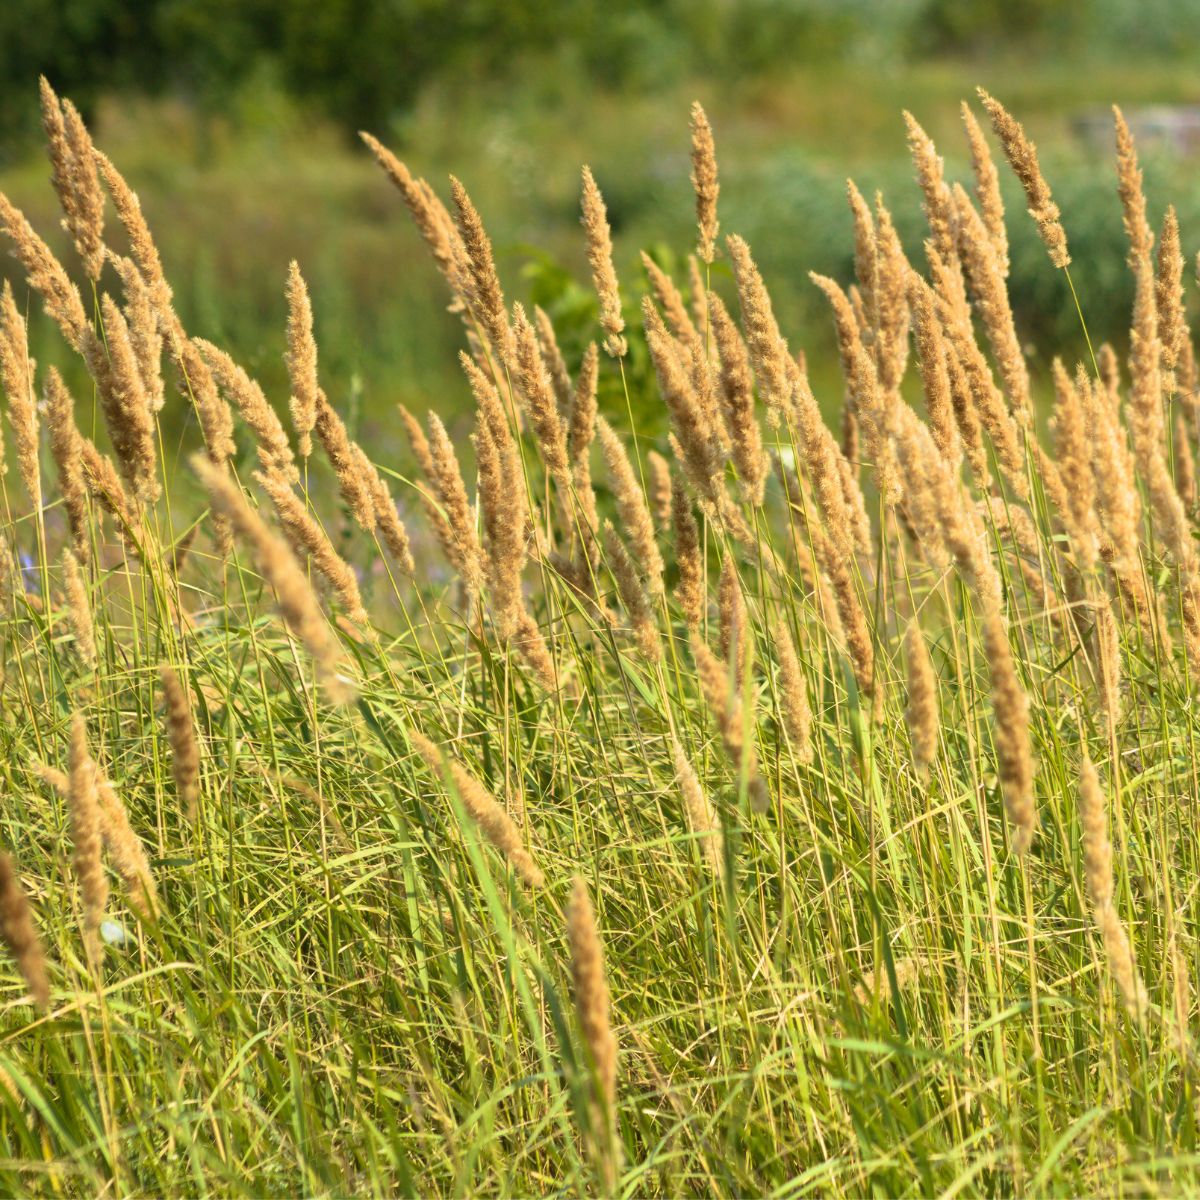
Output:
x=604 y=275
x=294 y=597
x=1022 y=157
x=482 y=807
x=181 y=735
x=921 y=715
x=20 y=935
x=704 y=183
x=593 y=1008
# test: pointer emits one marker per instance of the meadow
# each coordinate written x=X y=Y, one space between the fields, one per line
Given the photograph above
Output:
x=709 y=778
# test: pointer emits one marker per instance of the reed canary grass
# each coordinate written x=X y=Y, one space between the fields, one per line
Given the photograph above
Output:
x=702 y=817
x=692 y=420
x=552 y=359
x=737 y=403
x=921 y=714
x=430 y=503
x=482 y=284
x=537 y=391
x=347 y=468
x=104 y=486
x=1168 y=298
x=308 y=540
x=1022 y=157
x=936 y=198
x=301 y=360
x=84 y=808
x=464 y=550
x=503 y=511
x=593 y=1010
x=141 y=243
x=604 y=275
x=428 y=213
x=719 y=687
x=321 y=866
x=16 y=375
x=482 y=807
x=79 y=609
x=704 y=183
x=196 y=382
x=20 y=935
x=793 y=694
x=72 y=159
x=660 y=488
x=982 y=265
x=634 y=597
x=65 y=449
x=987 y=188
x=1014 y=754
x=989 y=407
x=689 y=590
x=185 y=748
x=932 y=356
x=144 y=335
x=1107 y=656
x=1073 y=455
x=872 y=402
x=128 y=415
x=670 y=300
x=386 y=517
x=126 y=852
x=1133 y=198
x=581 y=425
x=891 y=341
x=1098 y=878
x=530 y=644
x=768 y=351
x=866 y=261
x=733 y=630
x=46 y=275
x=271 y=442
x=631 y=505
x=294 y=598
x=698 y=294
x=1185 y=463
x=966 y=417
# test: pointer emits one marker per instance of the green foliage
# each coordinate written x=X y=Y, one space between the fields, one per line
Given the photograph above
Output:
x=367 y=62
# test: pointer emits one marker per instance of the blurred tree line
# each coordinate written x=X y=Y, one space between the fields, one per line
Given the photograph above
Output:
x=364 y=62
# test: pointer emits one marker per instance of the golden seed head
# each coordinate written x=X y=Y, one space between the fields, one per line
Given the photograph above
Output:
x=301 y=359
x=1022 y=157
x=702 y=816
x=20 y=935
x=604 y=275
x=16 y=376
x=922 y=711
x=294 y=597
x=704 y=182
x=987 y=188
x=482 y=807
x=181 y=734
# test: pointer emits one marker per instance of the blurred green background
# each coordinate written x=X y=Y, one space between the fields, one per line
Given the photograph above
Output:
x=236 y=121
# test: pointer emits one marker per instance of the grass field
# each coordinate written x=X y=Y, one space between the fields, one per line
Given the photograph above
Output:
x=689 y=797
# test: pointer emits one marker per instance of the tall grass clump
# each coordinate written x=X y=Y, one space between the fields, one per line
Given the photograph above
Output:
x=362 y=799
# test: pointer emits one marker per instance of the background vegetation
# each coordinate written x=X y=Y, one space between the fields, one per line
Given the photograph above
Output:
x=236 y=124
